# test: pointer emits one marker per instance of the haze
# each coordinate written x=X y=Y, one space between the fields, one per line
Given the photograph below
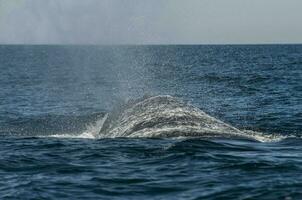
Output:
x=150 y=22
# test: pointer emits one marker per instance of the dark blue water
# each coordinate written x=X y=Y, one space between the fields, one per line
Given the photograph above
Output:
x=51 y=95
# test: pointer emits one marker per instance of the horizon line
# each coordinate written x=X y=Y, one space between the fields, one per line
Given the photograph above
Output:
x=147 y=44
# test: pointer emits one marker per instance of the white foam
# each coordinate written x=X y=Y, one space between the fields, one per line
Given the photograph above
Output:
x=84 y=135
x=92 y=131
x=262 y=137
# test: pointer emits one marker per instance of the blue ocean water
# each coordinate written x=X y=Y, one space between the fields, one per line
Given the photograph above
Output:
x=51 y=98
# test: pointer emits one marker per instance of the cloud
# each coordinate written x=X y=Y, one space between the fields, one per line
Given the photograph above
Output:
x=142 y=21
x=71 y=21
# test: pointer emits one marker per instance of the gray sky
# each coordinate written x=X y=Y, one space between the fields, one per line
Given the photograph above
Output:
x=150 y=21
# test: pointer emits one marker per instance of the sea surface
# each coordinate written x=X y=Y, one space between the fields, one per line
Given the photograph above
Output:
x=52 y=99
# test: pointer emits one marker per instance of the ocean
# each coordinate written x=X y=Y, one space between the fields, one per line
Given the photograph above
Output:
x=55 y=101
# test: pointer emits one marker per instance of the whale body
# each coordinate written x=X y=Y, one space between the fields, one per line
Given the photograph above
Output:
x=163 y=116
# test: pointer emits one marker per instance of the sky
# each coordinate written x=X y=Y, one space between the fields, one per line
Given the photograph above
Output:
x=150 y=21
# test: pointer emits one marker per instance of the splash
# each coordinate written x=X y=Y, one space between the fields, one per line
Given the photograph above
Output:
x=91 y=131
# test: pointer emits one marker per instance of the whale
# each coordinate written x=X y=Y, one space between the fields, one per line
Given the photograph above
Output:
x=163 y=116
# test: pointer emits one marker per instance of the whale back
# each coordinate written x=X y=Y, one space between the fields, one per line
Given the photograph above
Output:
x=163 y=116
